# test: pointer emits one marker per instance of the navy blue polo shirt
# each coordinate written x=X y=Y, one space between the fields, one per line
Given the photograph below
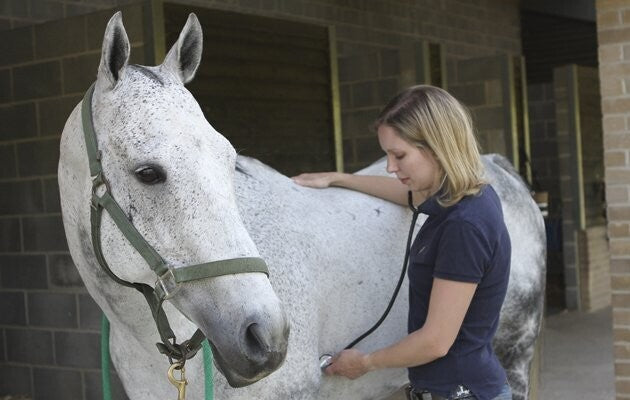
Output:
x=466 y=242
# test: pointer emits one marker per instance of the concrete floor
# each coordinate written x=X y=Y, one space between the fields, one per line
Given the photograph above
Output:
x=577 y=357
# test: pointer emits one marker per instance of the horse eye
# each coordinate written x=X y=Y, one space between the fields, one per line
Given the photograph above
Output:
x=150 y=174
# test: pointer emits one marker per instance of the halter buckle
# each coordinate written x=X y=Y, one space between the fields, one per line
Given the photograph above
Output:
x=99 y=181
x=166 y=285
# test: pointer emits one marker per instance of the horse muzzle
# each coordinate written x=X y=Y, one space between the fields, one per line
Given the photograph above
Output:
x=244 y=321
x=262 y=348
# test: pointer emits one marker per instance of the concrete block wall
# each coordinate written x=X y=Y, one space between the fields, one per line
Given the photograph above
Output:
x=479 y=84
x=49 y=325
x=580 y=159
x=544 y=143
x=592 y=146
x=18 y=13
x=545 y=177
x=367 y=82
x=595 y=267
x=492 y=89
x=568 y=179
x=613 y=34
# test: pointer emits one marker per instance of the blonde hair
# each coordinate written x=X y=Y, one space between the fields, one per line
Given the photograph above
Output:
x=431 y=119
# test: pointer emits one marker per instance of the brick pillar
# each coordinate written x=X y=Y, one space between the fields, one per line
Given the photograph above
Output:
x=613 y=33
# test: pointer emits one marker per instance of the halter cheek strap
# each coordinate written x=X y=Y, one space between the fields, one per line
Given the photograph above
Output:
x=169 y=278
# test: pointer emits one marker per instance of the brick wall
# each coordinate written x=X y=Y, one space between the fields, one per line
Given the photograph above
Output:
x=613 y=34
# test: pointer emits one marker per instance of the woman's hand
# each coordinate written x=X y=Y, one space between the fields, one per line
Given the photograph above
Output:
x=317 y=180
x=349 y=363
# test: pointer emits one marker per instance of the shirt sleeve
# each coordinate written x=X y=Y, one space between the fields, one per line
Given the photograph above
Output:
x=463 y=253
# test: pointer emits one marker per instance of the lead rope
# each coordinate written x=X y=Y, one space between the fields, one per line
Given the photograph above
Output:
x=207 y=370
x=367 y=333
x=105 y=371
x=105 y=377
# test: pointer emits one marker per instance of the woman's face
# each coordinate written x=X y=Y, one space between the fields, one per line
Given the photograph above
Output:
x=416 y=168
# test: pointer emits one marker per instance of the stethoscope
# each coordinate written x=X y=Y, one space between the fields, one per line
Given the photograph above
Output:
x=326 y=359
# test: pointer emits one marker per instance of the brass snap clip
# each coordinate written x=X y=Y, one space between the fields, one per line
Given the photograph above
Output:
x=180 y=383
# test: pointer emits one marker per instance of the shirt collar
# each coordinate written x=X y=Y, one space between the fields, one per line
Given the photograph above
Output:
x=431 y=206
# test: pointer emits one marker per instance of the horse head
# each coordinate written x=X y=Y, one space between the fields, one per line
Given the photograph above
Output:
x=172 y=174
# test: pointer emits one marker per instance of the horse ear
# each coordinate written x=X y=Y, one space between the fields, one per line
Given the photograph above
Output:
x=184 y=57
x=115 y=53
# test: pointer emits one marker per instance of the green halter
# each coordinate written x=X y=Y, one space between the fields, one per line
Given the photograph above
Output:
x=169 y=277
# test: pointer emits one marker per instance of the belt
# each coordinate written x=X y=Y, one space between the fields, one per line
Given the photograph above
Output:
x=460 y=393
x=424 y=395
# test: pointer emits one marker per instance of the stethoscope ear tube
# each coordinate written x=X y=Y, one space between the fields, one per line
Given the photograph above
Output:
x=326 y=359
x=414 y=218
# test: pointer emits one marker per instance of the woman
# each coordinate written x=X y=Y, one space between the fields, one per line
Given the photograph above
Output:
x=460 y=260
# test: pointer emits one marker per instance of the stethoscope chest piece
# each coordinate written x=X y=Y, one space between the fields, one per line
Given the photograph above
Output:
x=324 y=361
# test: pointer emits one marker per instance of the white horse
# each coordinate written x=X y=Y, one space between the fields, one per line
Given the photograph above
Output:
x=334 y=255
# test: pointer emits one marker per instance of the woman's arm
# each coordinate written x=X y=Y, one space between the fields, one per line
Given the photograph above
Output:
x=387 y=188
x=447 y=307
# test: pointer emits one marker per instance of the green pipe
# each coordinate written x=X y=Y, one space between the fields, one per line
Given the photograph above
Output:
x=107 y=388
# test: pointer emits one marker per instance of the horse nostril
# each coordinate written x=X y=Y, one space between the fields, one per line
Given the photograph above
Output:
x=257 y=339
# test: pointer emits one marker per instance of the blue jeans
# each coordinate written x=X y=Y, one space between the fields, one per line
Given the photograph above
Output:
x=506 y=393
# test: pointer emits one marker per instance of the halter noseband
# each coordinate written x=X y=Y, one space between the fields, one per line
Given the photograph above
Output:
x=168 y=277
